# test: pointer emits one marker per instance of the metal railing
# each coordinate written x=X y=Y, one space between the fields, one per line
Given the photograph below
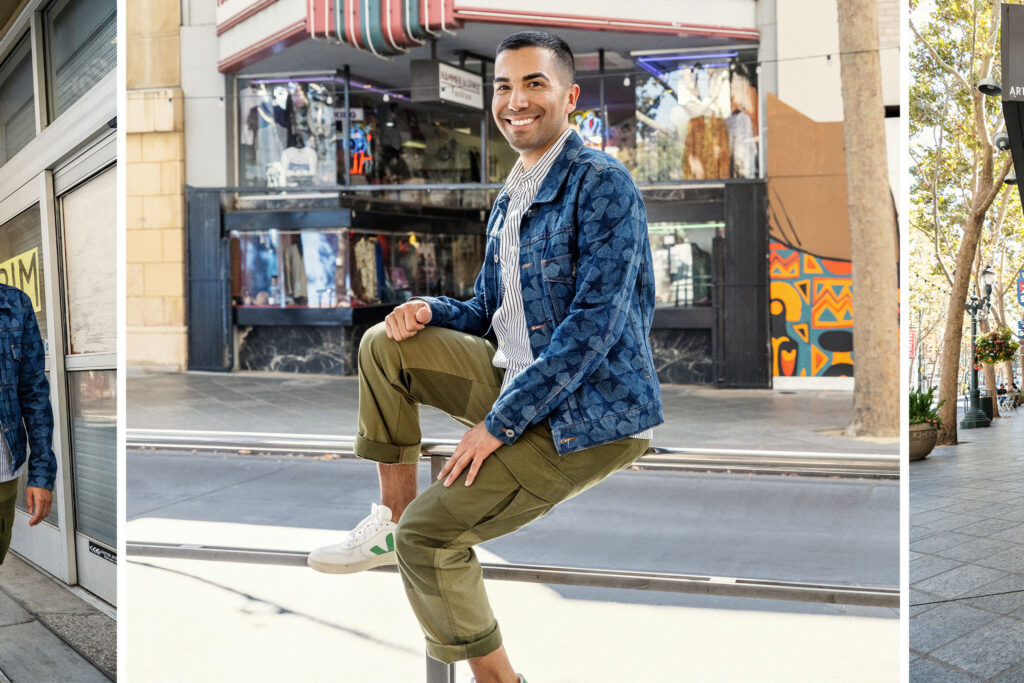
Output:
x=873 y=465
x=439 y=672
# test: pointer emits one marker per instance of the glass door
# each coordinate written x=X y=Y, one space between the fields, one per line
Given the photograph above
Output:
x=88 y=220
x=26 y=263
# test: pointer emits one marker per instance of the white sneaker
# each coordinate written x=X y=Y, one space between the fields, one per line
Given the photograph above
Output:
x=371 y=544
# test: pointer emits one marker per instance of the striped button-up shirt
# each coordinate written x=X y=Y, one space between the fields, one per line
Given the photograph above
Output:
x=7 y=462
x=509 y=321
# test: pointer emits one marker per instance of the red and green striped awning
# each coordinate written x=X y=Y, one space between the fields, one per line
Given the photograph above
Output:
x=384 y=27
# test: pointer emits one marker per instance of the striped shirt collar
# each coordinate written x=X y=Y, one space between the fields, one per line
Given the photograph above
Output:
x=519 y=178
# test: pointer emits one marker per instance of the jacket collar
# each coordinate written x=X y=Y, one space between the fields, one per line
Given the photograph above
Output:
x=557 y=174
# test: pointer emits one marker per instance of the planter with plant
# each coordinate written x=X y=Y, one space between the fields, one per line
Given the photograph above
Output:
x=924 y=423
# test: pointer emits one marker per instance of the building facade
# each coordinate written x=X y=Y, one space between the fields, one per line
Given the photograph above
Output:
x=58 y=218
x=340 y=157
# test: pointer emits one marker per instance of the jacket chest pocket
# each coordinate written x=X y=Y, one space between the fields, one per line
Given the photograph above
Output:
x=559 y=275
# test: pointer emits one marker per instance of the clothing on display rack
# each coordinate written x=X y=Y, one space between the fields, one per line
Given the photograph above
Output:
x=366 y=266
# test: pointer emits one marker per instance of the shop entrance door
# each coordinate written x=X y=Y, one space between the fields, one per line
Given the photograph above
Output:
x=87 y=220
x=27 y=260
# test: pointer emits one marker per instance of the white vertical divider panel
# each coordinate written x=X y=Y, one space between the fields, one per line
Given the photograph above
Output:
x=63 y=489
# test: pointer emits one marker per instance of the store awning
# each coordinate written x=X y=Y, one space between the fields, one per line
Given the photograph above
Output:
x=384 y=28
x=1012 y=60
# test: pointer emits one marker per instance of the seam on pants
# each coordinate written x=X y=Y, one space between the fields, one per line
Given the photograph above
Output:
x=441 y=591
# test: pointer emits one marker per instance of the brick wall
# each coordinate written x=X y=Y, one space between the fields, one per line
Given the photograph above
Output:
x=888 y=23
x=155 y=135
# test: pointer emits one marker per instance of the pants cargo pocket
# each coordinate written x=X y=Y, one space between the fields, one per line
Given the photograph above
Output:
x=520 y=511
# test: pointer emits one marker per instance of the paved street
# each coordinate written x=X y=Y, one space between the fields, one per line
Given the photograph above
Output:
x=967 y=557
x=295 y=623
x=792 y=528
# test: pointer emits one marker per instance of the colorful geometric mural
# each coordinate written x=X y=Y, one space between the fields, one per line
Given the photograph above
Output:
x=811 y=314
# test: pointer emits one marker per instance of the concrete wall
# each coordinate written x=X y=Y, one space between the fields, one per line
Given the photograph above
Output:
x=155 y=134
x=207 y=101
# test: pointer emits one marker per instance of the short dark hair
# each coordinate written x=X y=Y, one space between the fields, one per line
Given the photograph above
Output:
x=548 y=41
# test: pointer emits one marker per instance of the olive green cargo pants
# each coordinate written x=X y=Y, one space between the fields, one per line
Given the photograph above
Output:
x=517 y=484
x=8 y=495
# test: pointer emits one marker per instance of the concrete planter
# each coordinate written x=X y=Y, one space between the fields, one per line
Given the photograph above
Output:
x=922 y=440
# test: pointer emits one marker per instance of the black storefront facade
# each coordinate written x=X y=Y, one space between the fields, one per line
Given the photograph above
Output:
x=1012 y=60
x=286 y=270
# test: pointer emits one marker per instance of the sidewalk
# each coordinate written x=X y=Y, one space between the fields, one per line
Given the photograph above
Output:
x=48 y=633
x=695 y=416
x=967 y=557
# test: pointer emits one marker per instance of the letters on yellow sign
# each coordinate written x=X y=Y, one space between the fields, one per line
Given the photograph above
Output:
x=22 y=272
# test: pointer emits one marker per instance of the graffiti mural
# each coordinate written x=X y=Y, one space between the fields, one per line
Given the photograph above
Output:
x=811 y=314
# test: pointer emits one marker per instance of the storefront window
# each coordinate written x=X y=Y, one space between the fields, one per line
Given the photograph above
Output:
x=290 y=135
x=17 y=110
x=93 y=403
x=287 y=133
x=89 y=214
x=683 y=262
x=341 y=268
x=21 y=260
x=81 y=48
x=696 y=118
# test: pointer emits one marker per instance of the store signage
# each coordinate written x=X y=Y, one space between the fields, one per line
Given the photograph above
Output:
x=100 y=551
x=441 y=82
x=354 y=114
x=913 y=344
x=22 y=272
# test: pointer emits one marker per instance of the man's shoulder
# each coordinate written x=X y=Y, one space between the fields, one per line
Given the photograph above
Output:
x=593 y=161
x=12 y=296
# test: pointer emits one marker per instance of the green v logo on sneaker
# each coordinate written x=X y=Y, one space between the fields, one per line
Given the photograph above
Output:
x=390 y=540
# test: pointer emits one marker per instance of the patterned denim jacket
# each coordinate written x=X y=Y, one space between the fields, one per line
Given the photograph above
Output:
x=588 y=293
x=24 y=390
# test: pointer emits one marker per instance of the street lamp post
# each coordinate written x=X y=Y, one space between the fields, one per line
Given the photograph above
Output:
x=975 y=416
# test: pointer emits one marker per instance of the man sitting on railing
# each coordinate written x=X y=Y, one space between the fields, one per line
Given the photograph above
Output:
x=567 y=397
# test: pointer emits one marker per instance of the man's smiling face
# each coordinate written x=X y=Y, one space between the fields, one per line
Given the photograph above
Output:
x=532 y=100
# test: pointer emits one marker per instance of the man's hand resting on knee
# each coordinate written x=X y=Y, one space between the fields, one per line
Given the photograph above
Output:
x=473 y=449
x=407 y=319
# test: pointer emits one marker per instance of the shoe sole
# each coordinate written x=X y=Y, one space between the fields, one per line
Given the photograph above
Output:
x=353 y=568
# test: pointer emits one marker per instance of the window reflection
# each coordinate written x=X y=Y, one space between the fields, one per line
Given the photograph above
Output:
x=93 y=403
x=341 y=268
x=683 y=262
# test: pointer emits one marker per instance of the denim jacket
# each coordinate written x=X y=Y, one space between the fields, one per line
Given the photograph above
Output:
x=25 y=413
x=588 y=293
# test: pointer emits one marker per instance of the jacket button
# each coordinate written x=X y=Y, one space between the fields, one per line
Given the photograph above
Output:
x=495 y=258
x=509 y=433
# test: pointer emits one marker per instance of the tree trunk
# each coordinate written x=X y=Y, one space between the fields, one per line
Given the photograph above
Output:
x=989 y=370
x=873 y=232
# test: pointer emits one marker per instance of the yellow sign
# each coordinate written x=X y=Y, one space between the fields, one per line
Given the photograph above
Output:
x=22 y=272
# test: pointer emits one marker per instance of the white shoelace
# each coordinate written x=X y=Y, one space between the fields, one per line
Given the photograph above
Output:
x=367 y=527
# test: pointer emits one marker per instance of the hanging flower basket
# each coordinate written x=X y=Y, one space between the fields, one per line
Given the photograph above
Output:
x=997 y=346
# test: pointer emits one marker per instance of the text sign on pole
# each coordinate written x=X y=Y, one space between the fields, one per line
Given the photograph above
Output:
x=1020 y=329
x=913 y=344
x=1020 y=286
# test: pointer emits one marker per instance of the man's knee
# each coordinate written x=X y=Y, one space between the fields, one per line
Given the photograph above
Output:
x=375 y=344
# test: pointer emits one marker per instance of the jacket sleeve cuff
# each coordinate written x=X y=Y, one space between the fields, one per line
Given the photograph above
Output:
x=437 y=309
x=501 y=429
x=39 y=481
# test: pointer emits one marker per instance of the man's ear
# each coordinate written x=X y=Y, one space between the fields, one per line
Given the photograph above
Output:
x=574 y=94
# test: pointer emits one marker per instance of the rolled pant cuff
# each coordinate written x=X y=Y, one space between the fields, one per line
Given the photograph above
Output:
x=386 y=453
x=455 y=653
